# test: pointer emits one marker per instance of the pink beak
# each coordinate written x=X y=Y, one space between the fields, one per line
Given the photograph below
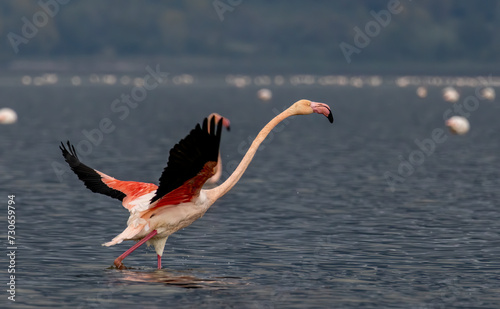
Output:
x=226 y=123
x=322 y=108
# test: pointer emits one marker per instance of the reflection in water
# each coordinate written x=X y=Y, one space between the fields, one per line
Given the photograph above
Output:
x=178 y=278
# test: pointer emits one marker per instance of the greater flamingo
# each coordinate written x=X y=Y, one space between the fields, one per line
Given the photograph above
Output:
x=422 y=92
x=458 y=125
x=450 y=94
x=264 y=94
x=7 y=116
x=488 y=93
x=179 y=200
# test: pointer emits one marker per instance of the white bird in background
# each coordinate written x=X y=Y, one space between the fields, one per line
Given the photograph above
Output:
x=422 y=92
x=450 y=94
x=264 y=94
x=458 y=125
x=488 y=93
x=7 y=116
x=156 y=212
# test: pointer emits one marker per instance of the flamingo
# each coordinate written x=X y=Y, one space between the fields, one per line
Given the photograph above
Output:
x=450 y=94
x=264 y=94
x=488 y=93
x=422 y=92
x=179 y=200
x=458 y=125
x=7 y=116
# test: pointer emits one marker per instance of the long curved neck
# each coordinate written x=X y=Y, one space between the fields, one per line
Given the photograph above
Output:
x=217 y=192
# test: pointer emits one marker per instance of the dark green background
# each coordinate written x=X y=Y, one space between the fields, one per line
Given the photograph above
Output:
x=292 y=35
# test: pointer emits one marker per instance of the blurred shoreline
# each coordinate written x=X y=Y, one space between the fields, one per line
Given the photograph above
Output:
x=244 y=65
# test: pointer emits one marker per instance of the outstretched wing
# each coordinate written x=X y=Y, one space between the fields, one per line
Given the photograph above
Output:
x=192 y=161
x=98 y=182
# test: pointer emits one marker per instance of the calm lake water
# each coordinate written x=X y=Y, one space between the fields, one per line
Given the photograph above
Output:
x=312 y=224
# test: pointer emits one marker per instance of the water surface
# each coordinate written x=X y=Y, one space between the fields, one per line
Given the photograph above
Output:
x=313 y=222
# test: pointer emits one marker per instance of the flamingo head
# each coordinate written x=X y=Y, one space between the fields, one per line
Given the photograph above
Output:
x=306 y=107
x=225 y=122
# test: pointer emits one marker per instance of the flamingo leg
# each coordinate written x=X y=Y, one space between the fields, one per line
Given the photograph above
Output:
x=159 y=261
x=118 y=261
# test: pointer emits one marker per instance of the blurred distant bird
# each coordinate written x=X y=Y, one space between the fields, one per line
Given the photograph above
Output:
x=488 y=93
x=7 y=116
x=458 y=125
x=264 y=94
x=179 y=200
x=422 y=92
x=450 y=94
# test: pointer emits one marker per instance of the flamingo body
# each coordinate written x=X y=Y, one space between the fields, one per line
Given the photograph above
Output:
x=488 y=93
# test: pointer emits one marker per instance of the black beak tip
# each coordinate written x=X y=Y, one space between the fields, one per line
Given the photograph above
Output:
x=228 y=128
x=330 y=117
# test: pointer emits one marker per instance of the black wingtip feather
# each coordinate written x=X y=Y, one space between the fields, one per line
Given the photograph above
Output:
x=91 y=179
x=69 y=154
x=189 y=156
x=219 y=133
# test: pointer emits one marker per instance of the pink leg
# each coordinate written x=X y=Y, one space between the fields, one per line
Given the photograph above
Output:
x=159 y=261
x=118 y=261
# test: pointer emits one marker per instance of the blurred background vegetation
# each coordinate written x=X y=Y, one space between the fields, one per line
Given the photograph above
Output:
x=290 y=35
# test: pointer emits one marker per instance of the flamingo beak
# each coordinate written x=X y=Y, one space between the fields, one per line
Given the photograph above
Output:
x=322 y=108
x=226 y=123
